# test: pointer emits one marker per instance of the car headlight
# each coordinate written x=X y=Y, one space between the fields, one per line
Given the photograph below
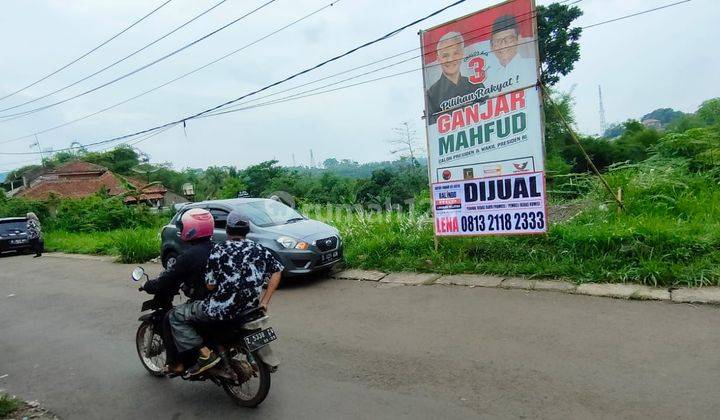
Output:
x=289 y=242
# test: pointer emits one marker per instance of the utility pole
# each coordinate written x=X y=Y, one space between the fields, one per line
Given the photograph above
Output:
x=37 y=143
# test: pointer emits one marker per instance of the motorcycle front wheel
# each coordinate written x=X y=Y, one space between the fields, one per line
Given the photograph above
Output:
x=151 y=349
x=254 y=380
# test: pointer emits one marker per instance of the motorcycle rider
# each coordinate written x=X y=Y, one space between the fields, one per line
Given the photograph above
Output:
x=188 y=273
x=237 y=270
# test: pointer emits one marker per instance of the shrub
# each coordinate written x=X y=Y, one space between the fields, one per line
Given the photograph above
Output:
x=8 y=405
x=19 y=207
x=137 y=246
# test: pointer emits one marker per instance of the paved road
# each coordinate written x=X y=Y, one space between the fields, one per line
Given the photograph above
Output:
x=364 y=350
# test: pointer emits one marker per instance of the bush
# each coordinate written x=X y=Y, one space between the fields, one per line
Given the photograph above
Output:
x=131 y=245
x=137 y=246
x=19 y=207
x=8 y=405
x=96 y=213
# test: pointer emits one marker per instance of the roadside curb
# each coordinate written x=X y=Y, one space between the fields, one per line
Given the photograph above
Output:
x=704 y=295
x=104 y=258
x=87 y=257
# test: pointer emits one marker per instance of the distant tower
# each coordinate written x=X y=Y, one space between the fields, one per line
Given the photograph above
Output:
x=293 y=158
x=312 y=159
x=603 y=122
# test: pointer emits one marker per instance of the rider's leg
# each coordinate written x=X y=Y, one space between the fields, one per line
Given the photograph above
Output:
x=186 y=338
x=175 y=364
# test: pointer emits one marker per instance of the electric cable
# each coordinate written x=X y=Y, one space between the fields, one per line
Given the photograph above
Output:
x=153 y=129
x=296 y=21
x=146 y=46
x=532 y=12
x=7 y=117
x=86 y=54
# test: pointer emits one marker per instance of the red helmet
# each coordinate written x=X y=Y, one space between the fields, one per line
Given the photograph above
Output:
x=196 y=224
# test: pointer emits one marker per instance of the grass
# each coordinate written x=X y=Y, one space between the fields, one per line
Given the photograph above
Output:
x=597 y=246
x=657 y=249
x=668 y=235
x=7 y=405
x=130 y=245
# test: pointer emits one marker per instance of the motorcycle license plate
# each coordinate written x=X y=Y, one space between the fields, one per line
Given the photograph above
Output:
x=260 y=339
x=330 y=256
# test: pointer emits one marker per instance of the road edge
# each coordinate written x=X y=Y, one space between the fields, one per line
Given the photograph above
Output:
x=688 y=295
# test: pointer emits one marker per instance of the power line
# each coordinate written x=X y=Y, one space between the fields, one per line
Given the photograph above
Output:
x=636 y=14
x=7 y=117
x=335 y=58
x=294 y=22
x=153 y=129
x=305 y=95
x=532 y=13
x=319 y=91
x=206 y=11
x=86 y=54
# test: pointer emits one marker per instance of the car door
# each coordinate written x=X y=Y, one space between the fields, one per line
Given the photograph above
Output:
x=220 y=217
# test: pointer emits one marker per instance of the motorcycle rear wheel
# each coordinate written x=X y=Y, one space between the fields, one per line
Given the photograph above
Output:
x=241 y=394
x=151 y=349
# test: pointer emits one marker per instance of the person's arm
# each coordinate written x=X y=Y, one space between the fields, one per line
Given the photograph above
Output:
x=168 y=281
x=275 y=267
x=273 y=284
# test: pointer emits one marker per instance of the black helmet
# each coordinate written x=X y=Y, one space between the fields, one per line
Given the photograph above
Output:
x=236 y=225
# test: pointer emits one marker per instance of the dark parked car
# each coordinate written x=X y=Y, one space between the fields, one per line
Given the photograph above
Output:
x=13 y=234
x=303 y=245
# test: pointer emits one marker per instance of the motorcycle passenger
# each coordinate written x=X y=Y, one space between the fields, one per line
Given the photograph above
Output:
x=188 y=273
x=237 y=270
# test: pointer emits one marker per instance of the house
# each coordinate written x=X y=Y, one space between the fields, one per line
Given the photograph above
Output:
x=80 y=179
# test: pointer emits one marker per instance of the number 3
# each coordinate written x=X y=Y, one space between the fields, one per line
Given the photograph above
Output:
x=477 y=64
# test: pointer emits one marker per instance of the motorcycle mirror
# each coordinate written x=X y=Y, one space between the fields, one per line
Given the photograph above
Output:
x=137 y=273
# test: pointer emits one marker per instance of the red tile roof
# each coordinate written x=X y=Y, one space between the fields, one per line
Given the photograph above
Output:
x=81 y=179
x=79 y=167
x=74 y=187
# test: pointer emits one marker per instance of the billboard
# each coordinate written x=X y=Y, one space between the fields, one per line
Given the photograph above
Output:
x=484 y=122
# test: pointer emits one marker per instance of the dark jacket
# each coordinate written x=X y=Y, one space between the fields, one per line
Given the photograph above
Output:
x=188 y=273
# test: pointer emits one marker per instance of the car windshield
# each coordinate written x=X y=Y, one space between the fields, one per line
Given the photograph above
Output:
x=12 y=226
x=270 y=213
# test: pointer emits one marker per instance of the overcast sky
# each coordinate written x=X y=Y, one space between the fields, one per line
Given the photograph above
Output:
x=663 y=59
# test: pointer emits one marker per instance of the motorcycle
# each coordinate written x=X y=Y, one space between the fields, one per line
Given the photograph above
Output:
x=247 y=359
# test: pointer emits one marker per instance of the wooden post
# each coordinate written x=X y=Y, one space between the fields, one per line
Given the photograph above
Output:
x=619 y=199
x=582 y=149
x=437 y=243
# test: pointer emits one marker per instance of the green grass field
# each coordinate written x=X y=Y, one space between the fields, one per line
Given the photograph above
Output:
x=130 y=245
x=598 y=245
x=667 y=235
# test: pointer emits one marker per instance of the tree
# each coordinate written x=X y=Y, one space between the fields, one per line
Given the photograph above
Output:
x=231 y=188
x=120 y=160
x=406 y=142
x=258 y=177
x=709 y=111
x=664 y=115
x=559 y=49
x=615 y=130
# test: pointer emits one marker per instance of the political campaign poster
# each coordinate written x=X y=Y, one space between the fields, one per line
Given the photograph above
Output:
x=484 y=122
